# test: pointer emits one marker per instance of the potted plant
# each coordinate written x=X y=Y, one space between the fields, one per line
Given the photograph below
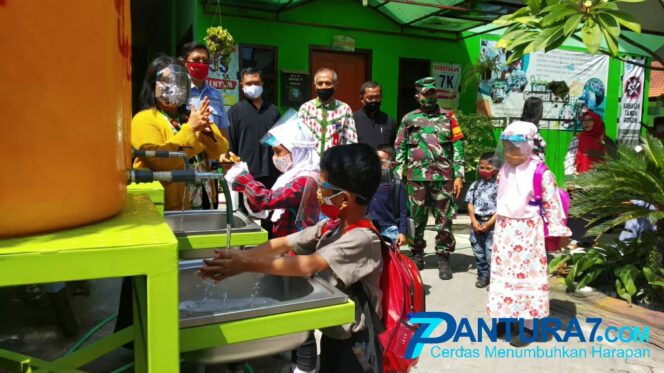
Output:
x=481 y=71
x=559 y=90
x=220 y=43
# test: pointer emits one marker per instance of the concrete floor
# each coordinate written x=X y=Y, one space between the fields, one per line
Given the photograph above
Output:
x=28 y=326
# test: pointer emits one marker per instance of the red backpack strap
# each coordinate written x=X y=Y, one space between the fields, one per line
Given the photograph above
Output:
x=362 y=223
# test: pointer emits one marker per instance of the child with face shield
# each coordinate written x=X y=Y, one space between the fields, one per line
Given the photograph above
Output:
x=165 y=124
x=519 y=286
x=292 y=199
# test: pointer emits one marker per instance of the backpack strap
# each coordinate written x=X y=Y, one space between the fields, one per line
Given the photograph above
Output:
x=538 y=191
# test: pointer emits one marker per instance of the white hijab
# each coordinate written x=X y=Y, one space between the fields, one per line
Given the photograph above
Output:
x=515 y=184
x=300 y=142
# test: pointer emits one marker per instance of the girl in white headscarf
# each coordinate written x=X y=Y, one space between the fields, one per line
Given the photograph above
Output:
x=292 y=198
x=519 y=281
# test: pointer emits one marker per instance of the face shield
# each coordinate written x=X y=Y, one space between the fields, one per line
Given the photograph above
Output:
x=513 y=149
x=172 y=86
x=309 y=210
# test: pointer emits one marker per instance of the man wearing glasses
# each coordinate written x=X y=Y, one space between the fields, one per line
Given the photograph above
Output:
x=374 y=127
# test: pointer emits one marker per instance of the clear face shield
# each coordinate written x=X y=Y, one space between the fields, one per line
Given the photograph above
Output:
x=172 y=86
x=309 y=210
x=282 y=130
x=513 y=150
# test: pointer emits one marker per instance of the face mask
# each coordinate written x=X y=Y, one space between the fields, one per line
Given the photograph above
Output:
x=428 y=102
x=198 y=70
x=325 y=94
x=486 y=175
x=252 y=92
x=329 y=209
x=515 y=160
x=284 y=163
x=372 y=107
x=170 y=94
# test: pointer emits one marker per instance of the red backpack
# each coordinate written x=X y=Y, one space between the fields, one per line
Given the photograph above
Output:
x=403 y=292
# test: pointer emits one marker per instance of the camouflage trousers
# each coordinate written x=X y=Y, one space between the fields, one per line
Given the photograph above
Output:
x=437 y=197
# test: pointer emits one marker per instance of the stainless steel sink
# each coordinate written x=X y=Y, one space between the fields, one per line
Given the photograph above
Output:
x=247 y=296
x=199 y=222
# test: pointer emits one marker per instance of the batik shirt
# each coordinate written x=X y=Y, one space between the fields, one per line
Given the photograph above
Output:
x=482 y=195
x=331 y=124
x=429 y=146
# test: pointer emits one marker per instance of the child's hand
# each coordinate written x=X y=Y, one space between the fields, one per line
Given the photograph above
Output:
x=401 y=239
x=226 y=263
x=476 y=226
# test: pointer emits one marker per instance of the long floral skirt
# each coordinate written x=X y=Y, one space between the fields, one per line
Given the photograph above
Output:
x=519 y=286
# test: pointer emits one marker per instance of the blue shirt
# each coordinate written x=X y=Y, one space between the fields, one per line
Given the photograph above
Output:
x=482 y=195
x=381 y=209
x=219 y=116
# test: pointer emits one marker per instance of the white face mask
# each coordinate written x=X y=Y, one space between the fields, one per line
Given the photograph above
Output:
x=284 y=163
x=252 y=92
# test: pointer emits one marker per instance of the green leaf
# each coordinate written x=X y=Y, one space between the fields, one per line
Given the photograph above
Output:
x=556 y=40
x=534 y=5
x=657 y=283
x=572 y=23
x=591 y=36
x=611 y=31
x=622 y=293
x=630 y=1
x=558 y=14
x=624 y=19
x=627 y=275
x=604 y=6
x=553 y=264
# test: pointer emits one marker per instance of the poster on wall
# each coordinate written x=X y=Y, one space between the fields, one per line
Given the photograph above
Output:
x=225 y=78
x=448 y=78
x=295 y=88
x=539 y=75
x=631 y=104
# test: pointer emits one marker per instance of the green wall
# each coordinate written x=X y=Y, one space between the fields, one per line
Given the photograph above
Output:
x=293 y=40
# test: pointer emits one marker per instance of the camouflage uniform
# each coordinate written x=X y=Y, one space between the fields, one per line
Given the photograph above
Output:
x=429 y=157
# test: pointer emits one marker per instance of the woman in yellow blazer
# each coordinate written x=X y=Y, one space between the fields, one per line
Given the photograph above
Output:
x=164 y=124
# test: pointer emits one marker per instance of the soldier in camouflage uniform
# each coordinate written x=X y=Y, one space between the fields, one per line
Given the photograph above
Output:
x=430 y=160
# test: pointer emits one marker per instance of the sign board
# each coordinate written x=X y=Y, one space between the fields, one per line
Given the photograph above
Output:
x=225 y=78
x=295 y=88
x=448 y=78
x=343 y=43
x=504 y=94
x=631 y=103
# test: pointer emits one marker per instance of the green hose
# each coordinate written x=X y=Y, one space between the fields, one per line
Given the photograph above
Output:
x=90 y=333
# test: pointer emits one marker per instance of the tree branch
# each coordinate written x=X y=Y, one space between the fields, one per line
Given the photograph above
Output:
x=631 y=62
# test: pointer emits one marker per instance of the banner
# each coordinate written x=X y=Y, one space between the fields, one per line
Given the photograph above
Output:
x=225 y=79
x=504 y=94
x=448 y=78
x=631 y=104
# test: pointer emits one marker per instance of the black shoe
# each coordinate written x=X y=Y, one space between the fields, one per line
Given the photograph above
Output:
x=444 y=269
x=516 y=341
x=482 y=282
x=418 y=258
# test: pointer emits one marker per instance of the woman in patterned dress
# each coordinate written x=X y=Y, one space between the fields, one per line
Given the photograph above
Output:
x=519 y=286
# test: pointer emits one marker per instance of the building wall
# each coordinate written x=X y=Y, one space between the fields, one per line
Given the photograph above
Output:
x=293 y=40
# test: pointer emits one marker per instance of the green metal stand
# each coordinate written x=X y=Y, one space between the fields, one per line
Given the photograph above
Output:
x=137 y=242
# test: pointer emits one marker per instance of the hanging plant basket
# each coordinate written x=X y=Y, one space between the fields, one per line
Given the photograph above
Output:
x=559 y=90
x=220 y=43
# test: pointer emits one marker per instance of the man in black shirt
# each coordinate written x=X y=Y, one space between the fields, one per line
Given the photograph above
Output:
x=374 y=127
x=250 y=120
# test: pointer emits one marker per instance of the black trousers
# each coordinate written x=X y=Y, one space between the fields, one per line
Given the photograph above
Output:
x=350 y=355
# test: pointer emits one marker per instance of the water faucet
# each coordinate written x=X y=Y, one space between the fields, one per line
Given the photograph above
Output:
x=187 y=176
